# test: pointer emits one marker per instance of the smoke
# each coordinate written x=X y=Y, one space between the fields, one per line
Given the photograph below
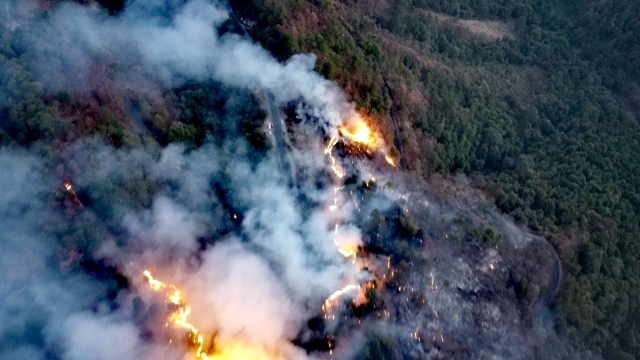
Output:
x=166 y=225
x=244 y=296
x=89 y=337
x=301 y=246
x=38 y=294
x=255 y=285
x=253 y=262
x=258 y=283
x=178 y=45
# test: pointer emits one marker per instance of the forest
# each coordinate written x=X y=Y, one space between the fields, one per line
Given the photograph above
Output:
x=541 y=114
x=542 y=117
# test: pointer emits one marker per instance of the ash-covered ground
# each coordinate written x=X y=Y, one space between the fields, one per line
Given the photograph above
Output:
x=454 y=279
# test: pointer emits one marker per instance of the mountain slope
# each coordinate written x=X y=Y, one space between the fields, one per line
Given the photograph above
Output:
x=540 y=120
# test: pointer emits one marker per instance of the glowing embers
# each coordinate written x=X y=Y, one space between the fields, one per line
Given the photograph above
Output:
x=180 y=313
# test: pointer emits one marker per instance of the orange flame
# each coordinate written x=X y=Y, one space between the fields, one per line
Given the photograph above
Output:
x=328 y=304
x=180 y=315
x=357 y=130
x=390 y=160
x=346 y=251
x=234 y=350
x=328 y=151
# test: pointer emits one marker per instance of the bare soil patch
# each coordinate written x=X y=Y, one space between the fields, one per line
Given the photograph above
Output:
x=490 y=30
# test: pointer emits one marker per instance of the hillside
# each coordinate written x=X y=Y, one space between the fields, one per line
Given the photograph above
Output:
x=542 y=117
x=141 y=133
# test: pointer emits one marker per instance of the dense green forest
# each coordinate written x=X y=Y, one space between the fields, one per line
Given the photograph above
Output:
x=544 y=119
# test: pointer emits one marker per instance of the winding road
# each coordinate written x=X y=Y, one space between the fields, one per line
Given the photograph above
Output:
x=280 y=135
x=279 y=128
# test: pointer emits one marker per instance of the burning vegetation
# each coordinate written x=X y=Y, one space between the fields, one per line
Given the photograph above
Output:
x=177 y=324
x=357 y=132
x=273 y=272
x=179 y=312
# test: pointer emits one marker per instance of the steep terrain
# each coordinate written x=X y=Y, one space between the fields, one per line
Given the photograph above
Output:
x=527 y=106
x=539 y=112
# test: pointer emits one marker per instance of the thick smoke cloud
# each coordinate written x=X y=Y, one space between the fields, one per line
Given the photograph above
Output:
x=238 y=280
x=177 y=45
x=257 y=288
x=258 y=284
x=99 y=338
x=166 y=225
x=301 y=246
x=38 y=293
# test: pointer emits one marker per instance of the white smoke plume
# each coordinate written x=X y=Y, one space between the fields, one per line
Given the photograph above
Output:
x=39 y=295
x=184 y=46
x=252 y=273
x=166 y=225
x=256 y=290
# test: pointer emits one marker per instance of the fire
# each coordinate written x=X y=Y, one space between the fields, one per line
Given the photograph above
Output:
x=346 y=252
x=331 y=299
x=390 y=160
x=67 y=186
x=228 y=349
x=329 y=152
x=355 y=130
x=358 y=131
x=180 y=314
x=235 y=350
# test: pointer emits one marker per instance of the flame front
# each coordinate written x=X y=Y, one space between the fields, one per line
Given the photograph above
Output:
x=328 y=304
x=329 y=152
x=390 y=160
x=357 y=130
x=180 y=314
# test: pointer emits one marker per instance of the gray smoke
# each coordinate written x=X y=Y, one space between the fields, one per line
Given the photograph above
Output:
x=259 y=288
x=253 y=267
x=176 y=47
x=158 y=210
x=38 y=292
